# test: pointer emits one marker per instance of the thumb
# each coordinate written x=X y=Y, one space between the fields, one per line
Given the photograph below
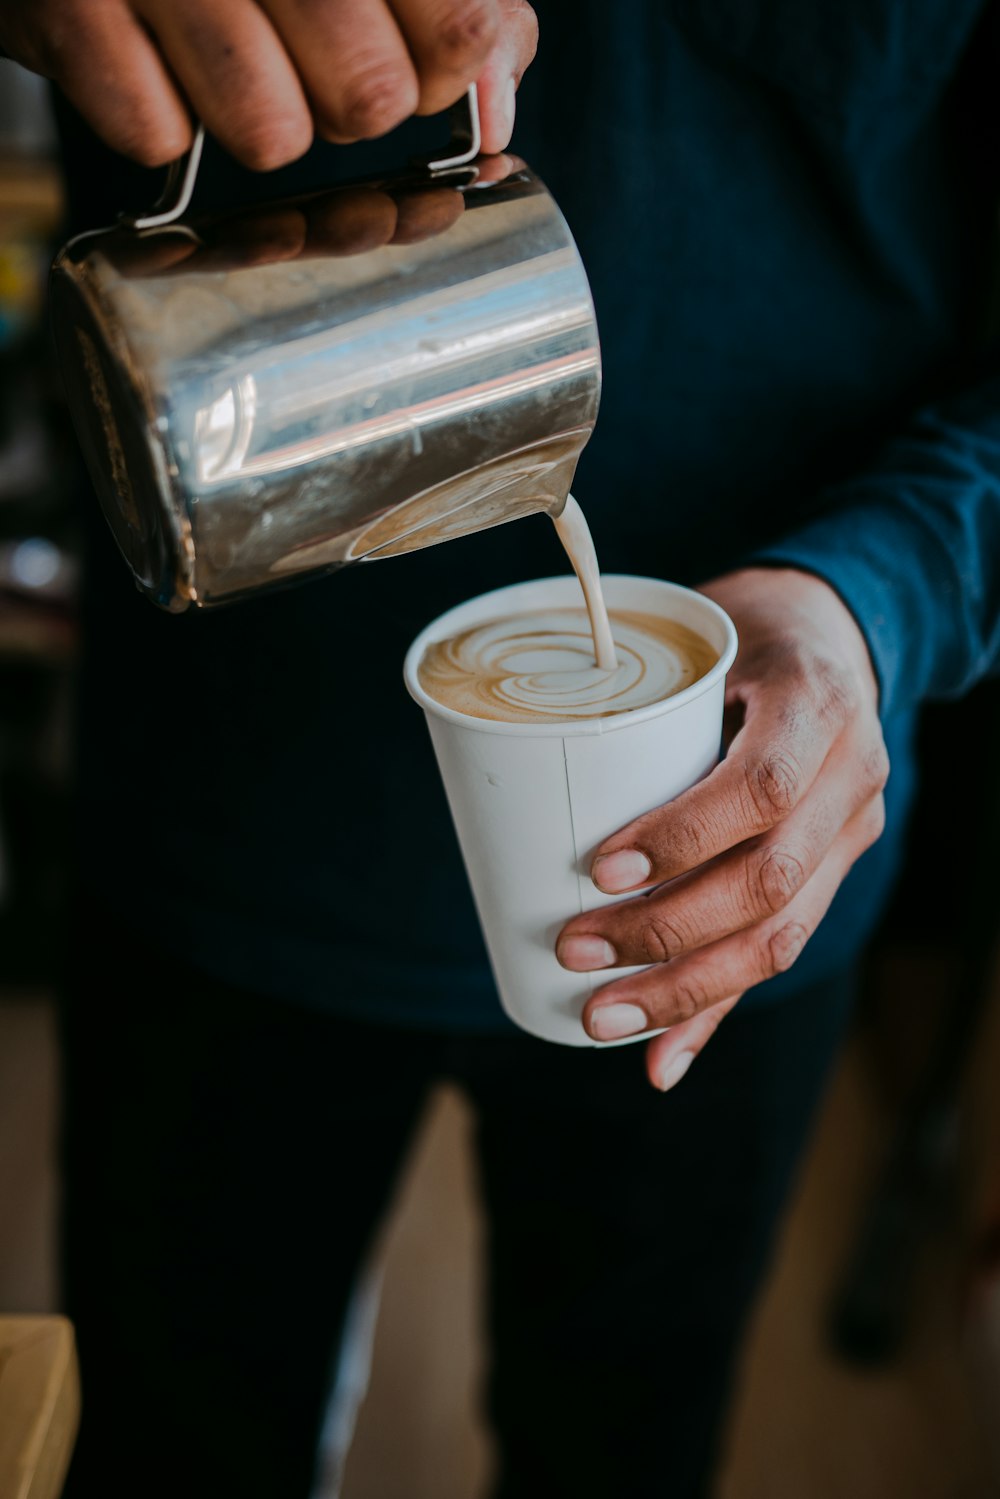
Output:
x=503 y=72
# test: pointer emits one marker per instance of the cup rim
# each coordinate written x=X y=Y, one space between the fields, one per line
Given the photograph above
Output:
x=571 y=728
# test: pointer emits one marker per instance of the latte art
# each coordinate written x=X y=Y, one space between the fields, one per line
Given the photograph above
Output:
x=540 y=666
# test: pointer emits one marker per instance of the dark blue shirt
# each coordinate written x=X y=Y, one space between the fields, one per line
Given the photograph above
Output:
x=787 y=211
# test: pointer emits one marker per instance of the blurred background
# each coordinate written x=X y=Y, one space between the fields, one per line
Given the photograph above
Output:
x=873 y=1364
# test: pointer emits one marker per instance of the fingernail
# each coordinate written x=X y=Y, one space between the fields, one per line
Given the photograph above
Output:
x=583 y=954
x=508 y=106
x=616 y=872
x=673 y=1070
x=611 y=1022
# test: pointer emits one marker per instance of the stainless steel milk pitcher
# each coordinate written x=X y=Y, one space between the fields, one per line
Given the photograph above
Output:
x=276 y=393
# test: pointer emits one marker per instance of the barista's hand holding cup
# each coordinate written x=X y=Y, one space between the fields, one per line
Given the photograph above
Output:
x=544 y=754
x=745 y=864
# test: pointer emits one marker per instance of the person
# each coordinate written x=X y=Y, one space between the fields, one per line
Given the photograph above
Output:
x=787 y=212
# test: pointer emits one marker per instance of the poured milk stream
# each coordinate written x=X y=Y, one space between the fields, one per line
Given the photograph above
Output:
x=540 y=664
x=574 y=533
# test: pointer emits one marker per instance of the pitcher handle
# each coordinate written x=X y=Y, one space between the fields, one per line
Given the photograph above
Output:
x=466 y=135
x=182 y=174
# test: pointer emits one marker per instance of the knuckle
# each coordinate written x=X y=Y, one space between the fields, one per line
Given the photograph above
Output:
x=379 y=96
x=834 y=691
x=661 y=939
x=779 y=876
x=688 y=1000
x=694 y=840
x=784 y=945
x=875 y=769
x=774 y=785
x=464 y=33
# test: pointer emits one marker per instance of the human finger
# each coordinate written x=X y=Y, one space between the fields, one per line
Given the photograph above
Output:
x=350 y=221
x=501 y=77
x=346 y=222
x=421 y=215
x=669 y=993
x=354 y=63
x=234 y=69
x=261 y=238
x=745 y=885
x=491 y=169
x=449 y=42
x=669 y=1055
x=113 y=75
x=139 y=255
x=789 y=729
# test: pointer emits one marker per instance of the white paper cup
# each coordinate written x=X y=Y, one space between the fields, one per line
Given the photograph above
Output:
x=532 y=802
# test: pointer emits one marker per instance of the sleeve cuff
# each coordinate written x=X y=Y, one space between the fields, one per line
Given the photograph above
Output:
x=899 y=584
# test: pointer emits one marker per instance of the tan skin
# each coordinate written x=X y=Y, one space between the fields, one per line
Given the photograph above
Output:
x=735 y=874
x=739 y=871
x=265 y=76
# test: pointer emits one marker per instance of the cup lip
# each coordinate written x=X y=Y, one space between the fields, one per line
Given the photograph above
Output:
x=572 y=728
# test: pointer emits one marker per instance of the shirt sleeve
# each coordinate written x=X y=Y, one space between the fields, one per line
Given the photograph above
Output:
x=912 y=546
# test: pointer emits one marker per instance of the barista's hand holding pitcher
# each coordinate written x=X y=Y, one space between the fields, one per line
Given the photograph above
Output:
x=746 y=863
x=266 y=75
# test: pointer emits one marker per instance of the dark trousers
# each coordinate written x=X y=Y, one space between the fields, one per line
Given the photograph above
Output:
x=228 y=1157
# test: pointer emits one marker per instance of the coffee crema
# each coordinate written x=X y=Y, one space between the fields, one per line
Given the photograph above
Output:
x=539 y=666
